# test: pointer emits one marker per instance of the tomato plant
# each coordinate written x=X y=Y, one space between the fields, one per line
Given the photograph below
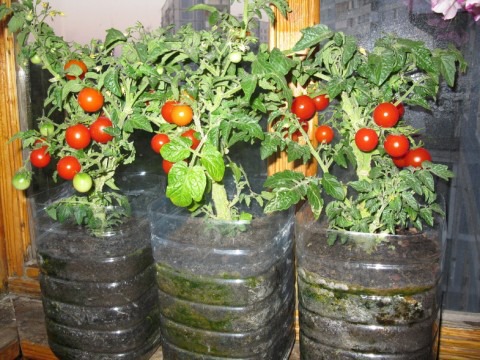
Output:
x=97 y=130
x=304 y=107
x=167 y=110
x=193 y=136
x=90 y=99
x=80 y=72
x=68 y=167
x=386 y=115
x=297 y=134
x=182 y=115
x=157 y=142
x=417 y=156
x=321 y=102
x=396 y=145
x=324 y=134
x=77 y=136
x=21 y=180
x=366 y=139
x=40 y=157
x=82 y=182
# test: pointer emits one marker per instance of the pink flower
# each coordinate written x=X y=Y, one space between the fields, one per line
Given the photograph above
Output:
x=448 y=8
x=473 y=7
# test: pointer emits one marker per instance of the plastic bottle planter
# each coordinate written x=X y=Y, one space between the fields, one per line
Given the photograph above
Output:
x=364 y=299
x=99 y=294
x=226 y=288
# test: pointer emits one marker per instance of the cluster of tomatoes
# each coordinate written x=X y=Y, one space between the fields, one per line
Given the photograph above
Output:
x=77 y=137
x=179 y=114
x=386 y=115
x=305 y=107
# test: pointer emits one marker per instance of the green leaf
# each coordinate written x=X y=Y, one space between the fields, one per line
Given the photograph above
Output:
x=349 y=49
x=312 y=36
x=177 y=189
x=333 y=187
x=203 y=7
x=283 y=199
x=411 y=181
x=196 y=182
x=71 y=86
x=16 y=23
x=249 y=84
x=315 y=200
x=286 y=178
x=423 y=58
x=441 y=171
x=410 y=200
x=4 y=11
x=137 y=121
x=281 y=63
x=427 y=216
x=427 y=179
x=362 y=186
x=380 y=66
x=113 y=37
x=176 y=150
x=111 y=82
x=213 y=162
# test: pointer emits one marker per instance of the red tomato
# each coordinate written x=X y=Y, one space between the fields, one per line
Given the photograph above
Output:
x=158 y=141
x=40 y=157
x=417 y=156
x=77 y=136
x=90 y=99
x=304 y=107
x=67 y=167
x=386 y=115
x=401 y=110
x=321 y=102
x=399 y=162
x=167 y=110
x=97 y=130
x=182 y=115
x=297 y=134
x=396 y=145
x=78 y=63
x=366 y=139
x=324 y=134
x=192 y=135
x=166 y=166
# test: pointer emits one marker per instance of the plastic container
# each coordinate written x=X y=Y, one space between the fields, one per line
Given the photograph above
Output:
x=226 y=287
x=367 y=296
x=99 y=293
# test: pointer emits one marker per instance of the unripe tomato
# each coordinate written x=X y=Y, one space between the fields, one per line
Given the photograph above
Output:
x=68 y=167
x=77 y=136
x=396 y=145
x=158 y=141
x=40 y=157
x=90 y=99
x=82 y=182
x=235 y=57
x=386 y=115
x=324 y=134
x=78 y=63
x=321 y=102
x=167 y=110
x=35 y=59
x=21 y=180
x=192 y=135
x=46 y=129
x=366 y=139
x=97 y=130
x=182 y=115
x=304 y=107
x=416 y=157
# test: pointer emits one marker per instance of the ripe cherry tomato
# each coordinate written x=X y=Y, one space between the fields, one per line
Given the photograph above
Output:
x=304 y=107
x=321 y=102
x=399 y=161
x=166 y=166
x=167 y=110
x=386 y=115
x=40 y=157
x=97 y=130
x=78 y=63
x=366 y=139
x=68 y=167
x=401 y=110
x=158 y=141
x=182 y=115
x=192 y=135
x=82 y=182
x=90 y=99
x=21 y=180
x=297 y=134
x=417 y=156
x=396 y=145
x=77 y=136
x=324 y=134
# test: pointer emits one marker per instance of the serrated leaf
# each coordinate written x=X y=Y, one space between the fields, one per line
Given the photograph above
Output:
x=312 y=36
x=283 y=199
x=114 y=36
x=213 y=162
x=176 y=150
x=315 y=200
x=196 y=182
x=441 y=171
x=426 y=215
x=286 y=178
x=177 y=190
x=411 y=181
x=249 y=84
x=16 y=23
x=71 y=86
x=111 y=82
x=410 y=200
x=361 y=185
x=427 y=179
x=137 y=121
x=333 y=187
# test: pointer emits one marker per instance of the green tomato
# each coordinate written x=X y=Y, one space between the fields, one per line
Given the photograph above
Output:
x=21 y=180
x=82 y=182
x=46 y=129
x=235 y=57
x=35 y=59
x=29 y=16
x=160 y=70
